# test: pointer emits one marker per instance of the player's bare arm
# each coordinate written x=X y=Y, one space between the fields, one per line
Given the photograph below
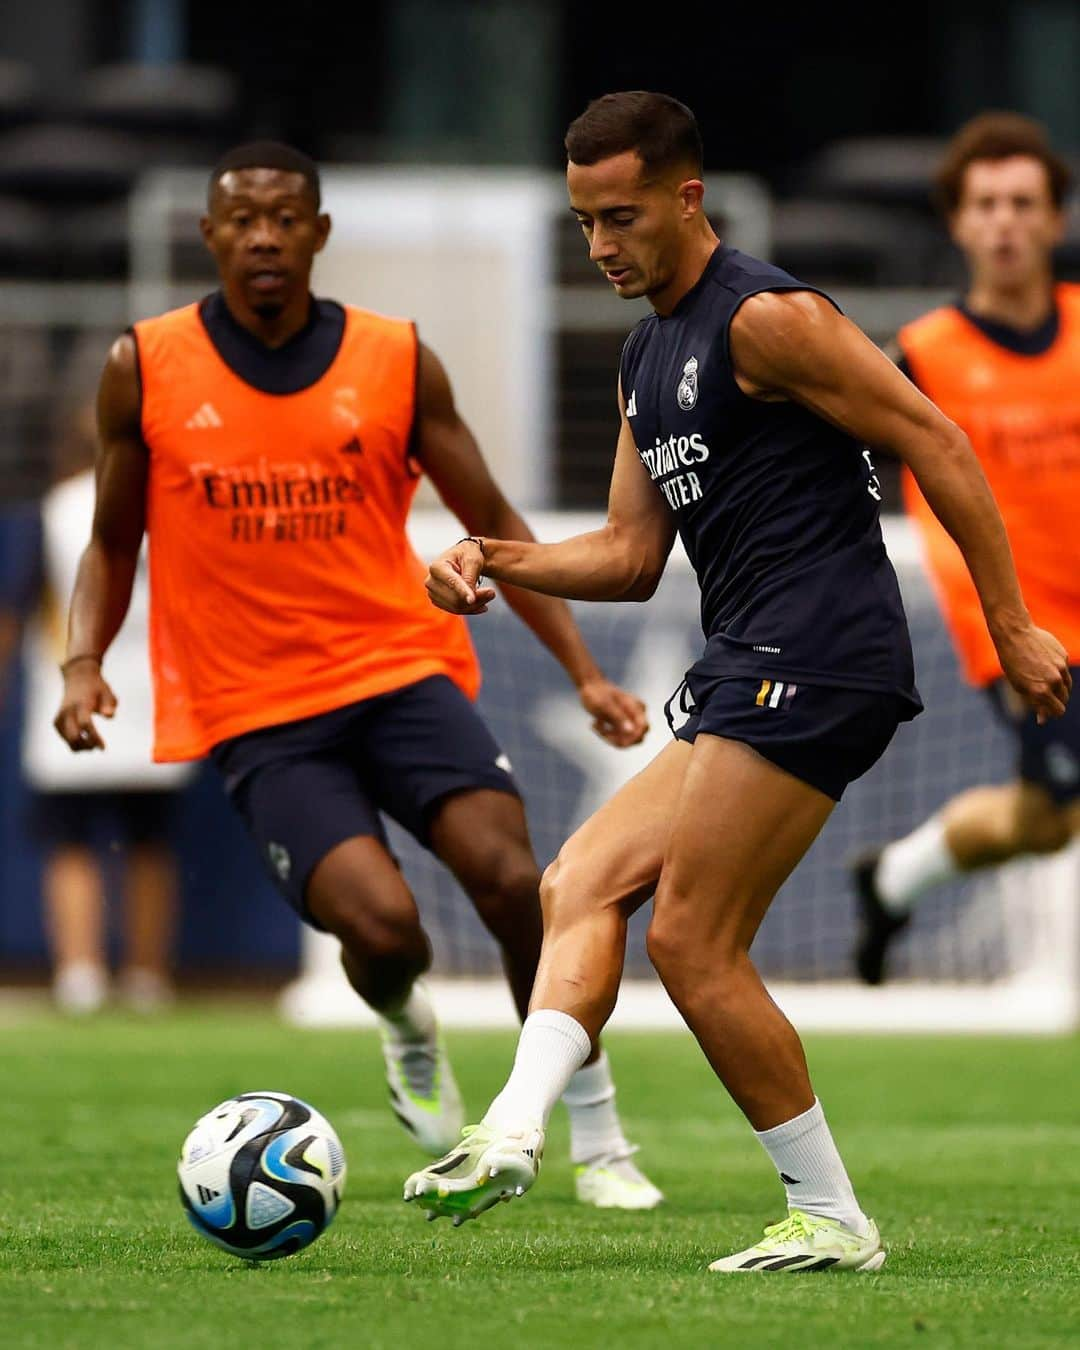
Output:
x=107 y=568
x=623 y=560
x=797 y=346
x=447 y=449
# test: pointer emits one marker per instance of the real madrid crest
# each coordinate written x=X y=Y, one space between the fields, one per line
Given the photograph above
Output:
x=686 y=394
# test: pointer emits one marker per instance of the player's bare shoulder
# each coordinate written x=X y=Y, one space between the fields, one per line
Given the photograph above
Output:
x=434 y=392
x=769 y=334
x=120 y=390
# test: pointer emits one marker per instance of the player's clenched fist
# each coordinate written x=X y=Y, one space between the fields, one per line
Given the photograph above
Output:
x=1037 y=666
x=618 y=717
x=85 y=693
x=453 y=580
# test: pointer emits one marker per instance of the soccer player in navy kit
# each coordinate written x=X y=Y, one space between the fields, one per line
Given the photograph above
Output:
x=747 y=401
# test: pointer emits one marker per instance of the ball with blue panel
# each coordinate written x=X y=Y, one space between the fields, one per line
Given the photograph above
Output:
x=261 y=1175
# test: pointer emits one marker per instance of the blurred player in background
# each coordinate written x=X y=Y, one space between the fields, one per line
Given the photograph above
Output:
x=1004 y=363
x=80 y=808
x=746 y=403
x=272 y=443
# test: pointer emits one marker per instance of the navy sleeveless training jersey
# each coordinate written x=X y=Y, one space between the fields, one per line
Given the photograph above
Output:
x=776 y=508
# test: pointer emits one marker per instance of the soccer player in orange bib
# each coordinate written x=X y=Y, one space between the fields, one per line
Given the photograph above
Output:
x=1004 y=364
x=271 y=444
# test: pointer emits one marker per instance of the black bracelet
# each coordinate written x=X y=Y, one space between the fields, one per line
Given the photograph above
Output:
x=74 y=660
x=472 y=539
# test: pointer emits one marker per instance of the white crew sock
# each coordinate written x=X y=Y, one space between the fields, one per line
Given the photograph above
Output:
x=913 y=865
x=810 y=1167
x=552 y=1046
x=411 y=1021
x=595 y=1131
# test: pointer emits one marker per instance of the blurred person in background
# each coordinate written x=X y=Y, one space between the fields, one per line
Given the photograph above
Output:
x=81 y=808
x=271 y=443
x=1004 y=363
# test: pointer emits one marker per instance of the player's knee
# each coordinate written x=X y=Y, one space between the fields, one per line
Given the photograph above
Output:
x=576 y=887
x=667 y=947
x=373 y=936
x=551 y=889
x=561 y=889
x=503 y=882
x=504 y=875
x=1046 y=832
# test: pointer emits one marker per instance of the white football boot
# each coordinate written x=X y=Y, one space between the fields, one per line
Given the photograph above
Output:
x=808 y=1242
x=483 y=1169
x=80 y=988
x=614 y=1182
x=423 y=1092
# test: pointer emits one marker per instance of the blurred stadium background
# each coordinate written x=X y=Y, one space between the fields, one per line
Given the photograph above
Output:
x=440 y=123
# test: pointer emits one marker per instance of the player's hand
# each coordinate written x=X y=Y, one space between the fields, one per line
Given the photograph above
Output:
x=617 y=716
x=453 y=581
x=1037 y=666
x=86 y=694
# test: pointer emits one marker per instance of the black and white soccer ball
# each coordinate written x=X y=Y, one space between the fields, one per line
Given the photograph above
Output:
x=261 y=1175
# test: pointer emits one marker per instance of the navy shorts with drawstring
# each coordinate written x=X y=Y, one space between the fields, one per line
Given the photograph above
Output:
x=824 y=736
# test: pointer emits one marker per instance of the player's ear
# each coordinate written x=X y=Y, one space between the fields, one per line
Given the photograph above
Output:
x=691 y=195
x=322 y=231
x=206 y=229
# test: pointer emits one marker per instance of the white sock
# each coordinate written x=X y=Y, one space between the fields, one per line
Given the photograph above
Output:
x=552 y=1046
x=595 y=1131
x=814 y=1178
x=412 y=1021
x=913 y=865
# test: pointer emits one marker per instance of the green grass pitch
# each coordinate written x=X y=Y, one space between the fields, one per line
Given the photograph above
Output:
x=967 y=1151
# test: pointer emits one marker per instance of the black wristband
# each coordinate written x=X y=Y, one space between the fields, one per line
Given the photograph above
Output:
x=473 y=539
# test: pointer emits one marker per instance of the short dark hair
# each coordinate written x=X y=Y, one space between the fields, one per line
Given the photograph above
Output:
x=663 y=131
x=997 y=135
x=268 y=155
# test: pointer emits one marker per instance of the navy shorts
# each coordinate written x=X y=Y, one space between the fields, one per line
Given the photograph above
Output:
x=1049 y=755
x=824 y=736
x=304 y=787
x=100 y=819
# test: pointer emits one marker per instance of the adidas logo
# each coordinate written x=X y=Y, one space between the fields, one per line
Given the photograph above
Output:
x=789 y=1181
x=631 y=407
x=206 y=1194
x=503 y=762
x=203 y=418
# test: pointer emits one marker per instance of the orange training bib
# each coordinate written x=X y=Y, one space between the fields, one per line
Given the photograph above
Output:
x=1022 y=415
x=282 y=582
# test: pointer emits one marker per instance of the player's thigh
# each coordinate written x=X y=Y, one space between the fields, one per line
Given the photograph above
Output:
x=615 y=857
x=482 y=836
x=319 y=835
x=740 y=826
x=356 y=891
